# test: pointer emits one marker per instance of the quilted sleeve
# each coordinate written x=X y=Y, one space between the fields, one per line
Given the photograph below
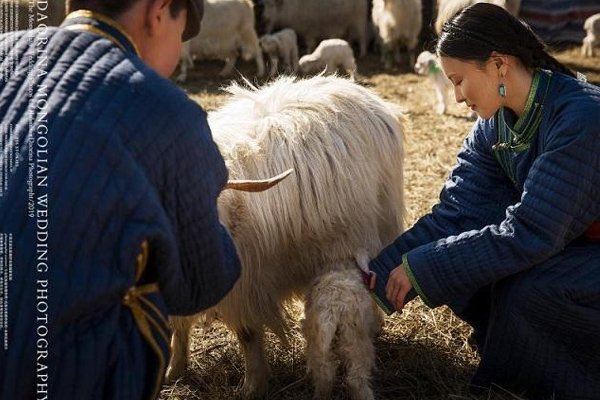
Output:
x=560 y=200
x=209 y=265
x=476 y=194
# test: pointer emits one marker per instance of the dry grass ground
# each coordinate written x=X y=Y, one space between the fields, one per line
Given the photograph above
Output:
x=422 y=353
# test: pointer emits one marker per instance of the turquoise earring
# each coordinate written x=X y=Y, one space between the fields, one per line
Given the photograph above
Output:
x=502 y=90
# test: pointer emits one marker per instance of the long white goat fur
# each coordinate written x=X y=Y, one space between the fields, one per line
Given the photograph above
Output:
x=341 y=322
x=346 y=147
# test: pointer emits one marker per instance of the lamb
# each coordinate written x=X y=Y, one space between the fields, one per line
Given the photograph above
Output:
x=341 y=317
x=592 y=39
x=427 y=65
x=227 y=28
x=398 y=23
x=346 y=193
x=314 y=20
x=282 y=44
x=448 y=8
x=330 y=55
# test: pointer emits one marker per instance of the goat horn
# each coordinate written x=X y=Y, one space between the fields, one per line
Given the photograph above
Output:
x=257 y=185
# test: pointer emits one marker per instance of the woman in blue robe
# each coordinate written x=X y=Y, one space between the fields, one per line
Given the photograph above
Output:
x=513 y=246
x=108 y=216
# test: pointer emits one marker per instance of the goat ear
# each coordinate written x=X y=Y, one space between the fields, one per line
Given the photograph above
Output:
x=257 y=185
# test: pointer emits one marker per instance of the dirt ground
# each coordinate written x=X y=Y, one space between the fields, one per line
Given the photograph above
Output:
x=422 y=353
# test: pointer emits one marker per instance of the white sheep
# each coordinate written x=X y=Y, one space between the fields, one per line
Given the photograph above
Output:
x=281 y=45
x=397 y=23
x=330 y=55
x=341 y=321
x=345 y=145
x=448 y=8
x=315 y=20
x=227 y=29
x=592 y=38
x=427 y=65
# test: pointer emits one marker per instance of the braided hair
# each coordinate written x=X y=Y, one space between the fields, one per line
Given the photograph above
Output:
x=478 y=30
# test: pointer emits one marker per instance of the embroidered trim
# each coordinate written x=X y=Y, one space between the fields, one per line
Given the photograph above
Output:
x=143 y=319
x=97 y=31
x=108 y=21
x=381 y=304
x=515 y=140
x=532 y=92
x=411 y=276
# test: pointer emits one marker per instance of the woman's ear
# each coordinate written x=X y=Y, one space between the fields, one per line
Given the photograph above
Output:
x=501 y=62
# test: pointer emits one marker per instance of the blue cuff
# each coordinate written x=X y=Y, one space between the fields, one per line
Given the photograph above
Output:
x=413 y=280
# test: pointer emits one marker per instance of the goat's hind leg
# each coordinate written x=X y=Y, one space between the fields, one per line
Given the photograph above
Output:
x=180 y=347
x=257 y=370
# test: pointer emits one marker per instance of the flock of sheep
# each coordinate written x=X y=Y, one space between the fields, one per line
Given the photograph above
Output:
x=228 y=31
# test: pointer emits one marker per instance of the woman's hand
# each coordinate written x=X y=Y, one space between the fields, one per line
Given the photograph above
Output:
x=398 y=287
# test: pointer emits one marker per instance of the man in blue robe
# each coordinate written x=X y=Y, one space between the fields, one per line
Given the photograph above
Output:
x=107 y=201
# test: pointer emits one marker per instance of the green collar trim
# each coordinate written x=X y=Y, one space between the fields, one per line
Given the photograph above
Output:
x=532 y=91
x=512 y=140
x=414 y=282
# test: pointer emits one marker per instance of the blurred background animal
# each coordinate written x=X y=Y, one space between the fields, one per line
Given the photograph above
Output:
x=330 y=56
x=282 y=45
x=316 y=20
x=592 y=37
x=427 y=65
x=227 y=32
x=398 y=25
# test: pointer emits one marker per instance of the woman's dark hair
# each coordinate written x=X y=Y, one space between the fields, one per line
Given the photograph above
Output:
x=114 y=8
x=478 y=30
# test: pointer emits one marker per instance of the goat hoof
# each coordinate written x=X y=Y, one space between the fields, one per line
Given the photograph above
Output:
x=173 y=374
x=254 y=390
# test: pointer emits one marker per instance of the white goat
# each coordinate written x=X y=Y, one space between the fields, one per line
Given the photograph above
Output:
x=284 y=45
x=315 y=20
x=341 y=317
x=592 y=39
x=448 y=8
x=398 y=23
x=227 y=28
x=330 y=55
x=345 y=145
